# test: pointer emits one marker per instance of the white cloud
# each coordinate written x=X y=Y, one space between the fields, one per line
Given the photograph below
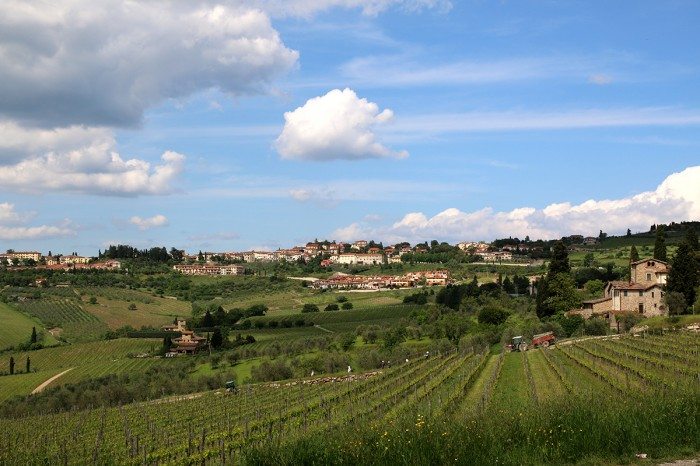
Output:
x=518 y=120
x=83 y=161
x=338 y=125
x=103 y=63
x=676 y=198
x=13 y=226
x=149 y=222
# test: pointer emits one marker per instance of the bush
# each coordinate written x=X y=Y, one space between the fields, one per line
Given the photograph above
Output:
x=309 y=308
x=332 y=307
x=596 y=326
x=132 y=307
x=269 y=371
x=492 y=315
x=347 y=306
x=341 y=299
x=416 y=298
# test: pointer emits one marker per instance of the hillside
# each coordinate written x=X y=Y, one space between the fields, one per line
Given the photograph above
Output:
x=510 y=408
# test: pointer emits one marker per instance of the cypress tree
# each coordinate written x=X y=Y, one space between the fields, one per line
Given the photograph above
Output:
x=691 y=237
x=683 y=277
x=560 y=260
x=217 y=339
x=634 y=255
x=660 y=244
x=33 y=338
x=12 y=365
x=29 y=364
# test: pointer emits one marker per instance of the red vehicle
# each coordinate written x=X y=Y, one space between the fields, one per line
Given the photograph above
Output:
x=543 y=339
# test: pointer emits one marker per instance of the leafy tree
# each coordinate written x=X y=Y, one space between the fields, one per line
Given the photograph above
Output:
x=588 y=259
x=308 y=307
x=683 y=277
x=394 y=336
x=492 y=315
x=347 y=305
x=341 y=299
x=594 y=288
x=217 y=339
x=570 y=324
x=675 y=302
x=559 y=295
x=634 y=255
x=660 y=244
x=596 y=326
x=92 y=300
x=331 y=307
x=629 y=232
x=508 y=285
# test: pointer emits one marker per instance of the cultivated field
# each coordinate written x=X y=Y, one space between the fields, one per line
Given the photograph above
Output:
x=556 y=405
x=16 y=328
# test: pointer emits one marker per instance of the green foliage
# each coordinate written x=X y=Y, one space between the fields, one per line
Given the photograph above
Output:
x=492 y=315
x=559 y=295
x=660 y=244
x=594 y=288
x=346 y=306
x=676 y=303
x=308 y=307
x=596 y=326
x=634 y=254
x=332 y=307
x=683 y=277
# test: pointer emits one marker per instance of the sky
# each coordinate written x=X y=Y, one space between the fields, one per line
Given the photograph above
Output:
x=260 y=124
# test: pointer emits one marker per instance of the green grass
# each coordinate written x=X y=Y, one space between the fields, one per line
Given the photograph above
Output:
x=88 y=360
x=112 y=307
x=16 y=328
x=403 y=415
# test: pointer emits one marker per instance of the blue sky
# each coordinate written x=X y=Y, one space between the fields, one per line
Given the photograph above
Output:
x=392 y=119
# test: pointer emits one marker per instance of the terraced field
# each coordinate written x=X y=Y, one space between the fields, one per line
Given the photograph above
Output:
x=213 y=428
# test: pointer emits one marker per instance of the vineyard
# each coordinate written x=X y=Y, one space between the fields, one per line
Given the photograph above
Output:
x=86 y=361
x=16 y=328
x=76 y=323
x=486 y=397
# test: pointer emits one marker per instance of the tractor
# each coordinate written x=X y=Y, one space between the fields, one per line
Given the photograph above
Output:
x=230 y=386
x=542 y=339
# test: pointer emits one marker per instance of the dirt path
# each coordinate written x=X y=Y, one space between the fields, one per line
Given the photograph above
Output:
x=324 y=329
x=41 y=387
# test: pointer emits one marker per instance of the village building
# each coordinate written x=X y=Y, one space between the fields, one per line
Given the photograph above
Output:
x=359 y=259
x=21 y=256
x=209 y=269
x=643 y=294
x=74 y=259
x=360 y=244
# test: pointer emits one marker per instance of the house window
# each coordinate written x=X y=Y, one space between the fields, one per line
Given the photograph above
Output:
x=652 y=294
x=617 y=293
x=641 y=293
x=641 y=308
x=648 y=277
x=624 y=293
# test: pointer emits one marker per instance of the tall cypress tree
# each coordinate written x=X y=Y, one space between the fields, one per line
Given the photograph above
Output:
x=33 y=338
x=660 y=244
x=12 y=365
x=560 y=260
x=634 y=254
x=683 y=277
x=691 y=237
x=29 y=364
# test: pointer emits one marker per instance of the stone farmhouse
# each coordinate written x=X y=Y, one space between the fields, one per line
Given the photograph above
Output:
x=642 y=294
x=187 y=342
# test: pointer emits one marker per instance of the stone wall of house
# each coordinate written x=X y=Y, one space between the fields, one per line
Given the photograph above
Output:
x=652 y=299
x=639 y=271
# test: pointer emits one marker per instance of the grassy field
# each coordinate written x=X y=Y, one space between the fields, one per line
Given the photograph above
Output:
x=538 y=407
x=112 y=307
x=16 y=328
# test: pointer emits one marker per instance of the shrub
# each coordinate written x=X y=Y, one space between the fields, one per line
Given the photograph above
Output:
x=596 y=326
x=332 y=307
x=309 y=308
x=347 y=306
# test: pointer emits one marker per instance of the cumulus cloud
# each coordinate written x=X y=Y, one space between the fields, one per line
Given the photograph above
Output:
x=149 y=222
x=13 y=226
x=676 y=198
x=103 y=63
x=93 y=166
x=338 y=125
